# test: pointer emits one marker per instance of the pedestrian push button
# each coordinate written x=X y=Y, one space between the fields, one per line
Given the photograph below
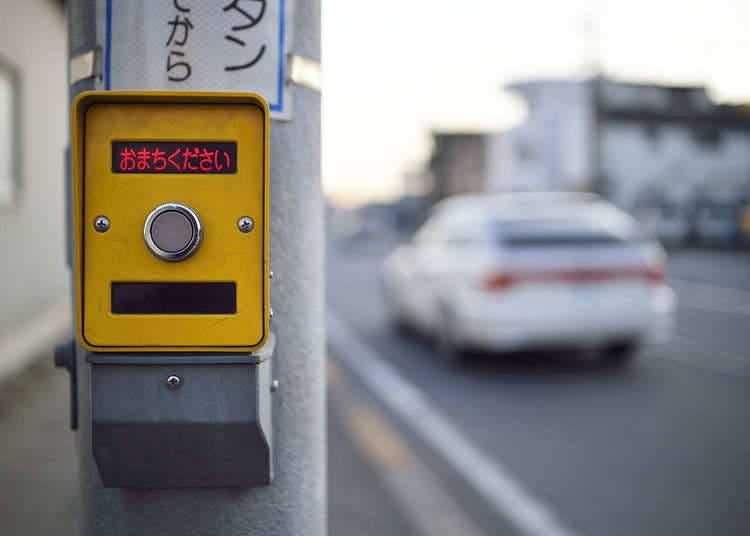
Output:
x=173 y=232
x=171 y=198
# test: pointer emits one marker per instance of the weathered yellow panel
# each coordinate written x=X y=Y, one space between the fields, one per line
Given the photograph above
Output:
x=121 y=254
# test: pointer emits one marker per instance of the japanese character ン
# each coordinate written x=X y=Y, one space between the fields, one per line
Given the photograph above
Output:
x=127 y=159
x=249 y=64
x=143 y=159
x=160 y=163
x=187 y=159
x=180 y=64
x=184 y=24
x=171 y=158
x=178 y=7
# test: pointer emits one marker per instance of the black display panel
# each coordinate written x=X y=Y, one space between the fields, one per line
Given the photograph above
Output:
x=183 y=157
x=174 y=298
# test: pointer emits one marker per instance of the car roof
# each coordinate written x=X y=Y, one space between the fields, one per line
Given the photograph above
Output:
x=509 y=208
x=532 y=205
x=521 y=197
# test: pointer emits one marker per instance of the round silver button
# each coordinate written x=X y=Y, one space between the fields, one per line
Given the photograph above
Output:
x=173 y=231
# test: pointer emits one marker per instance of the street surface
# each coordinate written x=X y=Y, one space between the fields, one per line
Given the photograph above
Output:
x=38 y=467
x=657 y=447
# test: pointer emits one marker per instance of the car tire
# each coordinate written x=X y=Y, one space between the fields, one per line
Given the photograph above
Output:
x=620 y=353
x=399 y=325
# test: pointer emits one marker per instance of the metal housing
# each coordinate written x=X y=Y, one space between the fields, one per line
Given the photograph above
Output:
x=211 y=429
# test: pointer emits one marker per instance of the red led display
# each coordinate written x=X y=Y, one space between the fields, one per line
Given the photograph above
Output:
x=174 y=157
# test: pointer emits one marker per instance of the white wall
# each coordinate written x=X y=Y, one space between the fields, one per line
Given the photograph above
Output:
x=32 y=230
x=549 y=151
x=673 y=161
x=552 y=148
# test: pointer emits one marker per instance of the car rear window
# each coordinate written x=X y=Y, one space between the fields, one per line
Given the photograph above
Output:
x=552 y=233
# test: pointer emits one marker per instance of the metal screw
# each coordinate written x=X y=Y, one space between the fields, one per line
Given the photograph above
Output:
x=174 y=382
x=270 y=274
x=245 y=224
x=275 y=385
x=270 y=313
x=101 y=224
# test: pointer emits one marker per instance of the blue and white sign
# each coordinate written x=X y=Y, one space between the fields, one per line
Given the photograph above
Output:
x=200 y=45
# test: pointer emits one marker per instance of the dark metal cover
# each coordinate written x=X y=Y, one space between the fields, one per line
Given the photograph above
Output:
x=214 y=430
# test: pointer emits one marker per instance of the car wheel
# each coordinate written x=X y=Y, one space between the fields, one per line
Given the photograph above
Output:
x=399 y=325
x=620 y=353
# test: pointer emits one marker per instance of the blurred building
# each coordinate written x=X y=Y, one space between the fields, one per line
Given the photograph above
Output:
x=629 y=142
x=458 y=164
x=550 y=150
x=33 y=136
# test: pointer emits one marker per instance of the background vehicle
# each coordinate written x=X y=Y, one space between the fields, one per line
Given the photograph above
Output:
x=744 y=224
x=517 y=271
x=666 y=218
x=717 y=217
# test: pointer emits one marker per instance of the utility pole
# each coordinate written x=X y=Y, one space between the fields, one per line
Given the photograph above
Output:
x=295 y=502
x=593 y=69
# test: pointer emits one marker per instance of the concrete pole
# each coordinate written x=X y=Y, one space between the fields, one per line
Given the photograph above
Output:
x=296 y=501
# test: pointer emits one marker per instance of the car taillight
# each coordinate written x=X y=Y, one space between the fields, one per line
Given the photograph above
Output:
x=654 y=275
x=504 y=280
x=499 y=281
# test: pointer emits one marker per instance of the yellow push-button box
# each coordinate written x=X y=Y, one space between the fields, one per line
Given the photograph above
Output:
x=171 y=221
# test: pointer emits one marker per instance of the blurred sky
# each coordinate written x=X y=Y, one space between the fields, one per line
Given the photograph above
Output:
x=394 y=69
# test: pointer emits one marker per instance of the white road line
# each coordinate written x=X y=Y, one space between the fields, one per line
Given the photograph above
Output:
x=424 y=503
x=490 y=479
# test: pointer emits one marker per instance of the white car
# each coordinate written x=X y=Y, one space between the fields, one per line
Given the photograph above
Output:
x=523 y=271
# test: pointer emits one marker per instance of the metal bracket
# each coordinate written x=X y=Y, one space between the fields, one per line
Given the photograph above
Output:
x=304 y=72
x=65 y=357
x=85 y=65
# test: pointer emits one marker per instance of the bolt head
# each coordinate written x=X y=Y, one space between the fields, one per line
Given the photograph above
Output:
x=174 y=381
x=245 y=224
x=275 y=385
x=101 y=224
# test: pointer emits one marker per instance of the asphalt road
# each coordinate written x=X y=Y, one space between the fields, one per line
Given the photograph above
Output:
x=658 y=447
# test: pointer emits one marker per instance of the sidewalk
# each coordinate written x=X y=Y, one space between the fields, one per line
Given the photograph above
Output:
x=38 y=466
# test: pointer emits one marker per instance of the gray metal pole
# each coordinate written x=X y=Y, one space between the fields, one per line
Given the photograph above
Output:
x=295 y=502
